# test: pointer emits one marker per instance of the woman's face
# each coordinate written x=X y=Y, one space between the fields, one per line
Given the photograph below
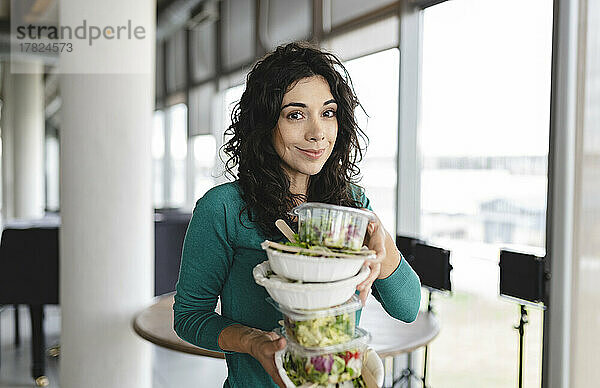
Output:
x=307 y=128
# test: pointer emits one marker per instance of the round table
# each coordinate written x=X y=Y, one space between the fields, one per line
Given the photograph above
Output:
x=390 y=337
x=155 y=324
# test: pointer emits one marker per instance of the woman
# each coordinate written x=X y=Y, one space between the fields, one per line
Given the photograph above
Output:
x=294 y=139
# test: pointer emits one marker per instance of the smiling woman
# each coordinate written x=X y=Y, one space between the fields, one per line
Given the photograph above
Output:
x=293 y=138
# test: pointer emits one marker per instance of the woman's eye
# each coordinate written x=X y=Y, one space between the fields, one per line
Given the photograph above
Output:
x=295 y=116
x=329 y=113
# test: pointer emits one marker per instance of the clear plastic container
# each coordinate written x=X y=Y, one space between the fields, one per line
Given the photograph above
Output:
x=327 y=365
x=322 y=327
x=331 y=225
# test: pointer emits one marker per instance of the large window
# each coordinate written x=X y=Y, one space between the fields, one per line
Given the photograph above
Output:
x=52 y=157
x=158 y=158
x=378 y=93
x=205 y=152
x=177 y=129
x=483 y=139
x=169 y=153
x=231 y=97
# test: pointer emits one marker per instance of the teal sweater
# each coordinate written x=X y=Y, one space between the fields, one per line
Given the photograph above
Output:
x=217 y=260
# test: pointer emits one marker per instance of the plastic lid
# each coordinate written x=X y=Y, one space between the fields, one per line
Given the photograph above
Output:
x=352 y=305
x=360 y=340
x=319 y=205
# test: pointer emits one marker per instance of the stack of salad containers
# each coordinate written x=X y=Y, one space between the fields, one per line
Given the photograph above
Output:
x=312 y=282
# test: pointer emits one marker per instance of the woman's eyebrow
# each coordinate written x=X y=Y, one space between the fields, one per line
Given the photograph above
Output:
x=303 y=105
x=298 y=104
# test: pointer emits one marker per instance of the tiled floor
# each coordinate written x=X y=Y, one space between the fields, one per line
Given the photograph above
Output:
x=170 y=369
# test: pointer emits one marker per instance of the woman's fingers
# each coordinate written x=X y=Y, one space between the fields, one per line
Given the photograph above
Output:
x=364 y=294
x=375 y=270
x=278 y=344
x=375 y=239
x=365 y=286
x=272 y=335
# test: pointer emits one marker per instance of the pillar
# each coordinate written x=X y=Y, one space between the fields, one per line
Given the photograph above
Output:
x=28 y=141
x=106 y=240
x=23 y=141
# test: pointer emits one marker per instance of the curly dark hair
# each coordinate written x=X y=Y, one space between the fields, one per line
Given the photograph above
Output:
x=265 y=186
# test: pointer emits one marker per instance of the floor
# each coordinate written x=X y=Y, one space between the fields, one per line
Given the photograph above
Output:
x=170 y=369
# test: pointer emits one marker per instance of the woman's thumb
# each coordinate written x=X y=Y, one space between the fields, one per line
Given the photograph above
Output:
x=278 y=344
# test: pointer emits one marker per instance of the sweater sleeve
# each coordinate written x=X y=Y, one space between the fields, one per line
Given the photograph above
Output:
x=399 y=293
x=206 y=258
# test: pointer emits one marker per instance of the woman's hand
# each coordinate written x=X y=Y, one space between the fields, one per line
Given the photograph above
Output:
x=262 y=345
x=387 y=257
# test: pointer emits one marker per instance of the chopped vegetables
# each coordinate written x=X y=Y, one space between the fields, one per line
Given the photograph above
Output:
x=322 y=331
x=325 y=369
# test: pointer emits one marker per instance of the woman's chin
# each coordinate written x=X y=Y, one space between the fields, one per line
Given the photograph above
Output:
x=313 y=170
x=307 y=169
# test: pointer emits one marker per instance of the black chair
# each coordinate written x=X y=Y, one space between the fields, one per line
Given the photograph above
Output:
x=29 y=275
x=169 y=233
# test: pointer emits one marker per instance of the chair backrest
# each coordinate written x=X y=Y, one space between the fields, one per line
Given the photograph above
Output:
x=169 y=233
x=29 y=265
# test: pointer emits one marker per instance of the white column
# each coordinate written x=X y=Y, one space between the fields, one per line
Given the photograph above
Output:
x=28 y=142
x=24 y=184
x=106 y=240
x=7 y=144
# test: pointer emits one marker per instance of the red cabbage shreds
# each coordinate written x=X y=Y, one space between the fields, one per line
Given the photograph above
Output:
x=323 y=363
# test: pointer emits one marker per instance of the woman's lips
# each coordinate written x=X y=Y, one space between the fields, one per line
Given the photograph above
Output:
x=312 y=154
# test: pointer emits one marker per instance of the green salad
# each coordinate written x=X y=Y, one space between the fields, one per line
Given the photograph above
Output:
x=322 y=331
x=342 y=369
x=322 y=231
x=318 y=250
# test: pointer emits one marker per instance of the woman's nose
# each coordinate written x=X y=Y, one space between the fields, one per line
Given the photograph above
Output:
x=318 y=137
x=316 y=131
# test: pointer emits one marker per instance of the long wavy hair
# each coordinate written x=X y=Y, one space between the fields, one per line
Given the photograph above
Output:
x=265 y=186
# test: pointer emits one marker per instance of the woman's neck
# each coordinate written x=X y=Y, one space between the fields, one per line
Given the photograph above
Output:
x=298 y=182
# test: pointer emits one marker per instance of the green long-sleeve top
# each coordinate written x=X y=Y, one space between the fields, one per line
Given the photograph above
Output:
x=218 y=256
